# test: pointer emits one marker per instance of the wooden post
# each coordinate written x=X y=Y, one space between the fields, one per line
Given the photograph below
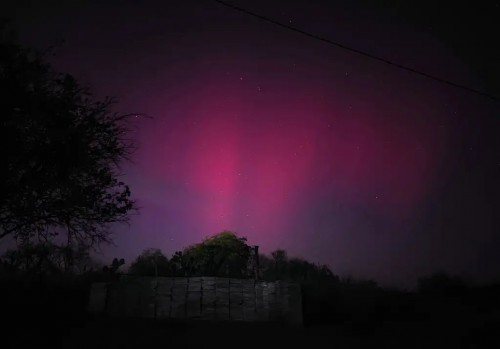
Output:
x=229 y=297
x=257 y=267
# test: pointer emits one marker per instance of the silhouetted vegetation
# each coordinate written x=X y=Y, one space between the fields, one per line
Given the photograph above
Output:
x=224 y=254
x=60 y=149
x=151 y=262
x=60 y=188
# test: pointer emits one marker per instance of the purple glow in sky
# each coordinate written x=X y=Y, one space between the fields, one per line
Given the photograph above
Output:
x=288 y=141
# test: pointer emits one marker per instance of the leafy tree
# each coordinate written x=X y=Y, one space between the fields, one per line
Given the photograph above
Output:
x=150 y=262
x=280 y=259
x=224 y=254
x=112 y=270
x=279 y=256
x=178 y=264
x=280 y=267
x=61 y=148
x=48 y=258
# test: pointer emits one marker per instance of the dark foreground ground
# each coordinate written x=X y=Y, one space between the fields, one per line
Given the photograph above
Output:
x=140 y=333
x=55 y=317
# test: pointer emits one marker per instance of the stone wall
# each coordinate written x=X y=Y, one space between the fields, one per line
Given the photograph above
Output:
x=203 y=298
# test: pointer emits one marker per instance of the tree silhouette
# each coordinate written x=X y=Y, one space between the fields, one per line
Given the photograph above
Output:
x=48 y=258
x=280 y=259
x=60 y=148
x=178 y=264
x=224 y=254
x=280 y=267
x=150 y=262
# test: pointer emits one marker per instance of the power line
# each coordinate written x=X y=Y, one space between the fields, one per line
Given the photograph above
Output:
x=348 y=48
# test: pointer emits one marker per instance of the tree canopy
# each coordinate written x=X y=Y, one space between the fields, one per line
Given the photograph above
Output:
x=224 y=254
x=228 y=255
x=61 y=148
x=150 y=262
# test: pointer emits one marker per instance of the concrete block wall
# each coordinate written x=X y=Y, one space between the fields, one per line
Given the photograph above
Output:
x=203 y=298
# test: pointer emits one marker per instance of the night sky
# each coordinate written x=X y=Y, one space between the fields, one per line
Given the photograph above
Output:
x=294 y=143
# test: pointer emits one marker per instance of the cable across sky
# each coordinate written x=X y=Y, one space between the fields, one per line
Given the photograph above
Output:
x=357 y=51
